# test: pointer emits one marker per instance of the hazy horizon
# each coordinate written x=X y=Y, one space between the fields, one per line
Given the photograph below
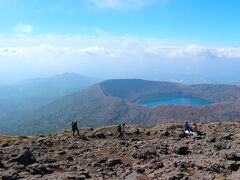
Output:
x=46 y=77
x=111 y=39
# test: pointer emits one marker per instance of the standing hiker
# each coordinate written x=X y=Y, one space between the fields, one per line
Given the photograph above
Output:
x=121 y=131
x=75 y=128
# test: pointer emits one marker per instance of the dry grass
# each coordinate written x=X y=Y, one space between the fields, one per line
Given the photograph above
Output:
x=164 y=126
x=212 y=125
x=105 y=128
x=237 y=123
x=5 y=138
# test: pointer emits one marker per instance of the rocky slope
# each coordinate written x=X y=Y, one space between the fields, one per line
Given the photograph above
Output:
x=160 y=152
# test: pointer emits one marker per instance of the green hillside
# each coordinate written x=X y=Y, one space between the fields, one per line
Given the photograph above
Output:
x=113 y=102
x=18 y=100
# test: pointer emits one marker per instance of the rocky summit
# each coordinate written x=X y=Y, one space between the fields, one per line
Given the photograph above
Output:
x=160 y=152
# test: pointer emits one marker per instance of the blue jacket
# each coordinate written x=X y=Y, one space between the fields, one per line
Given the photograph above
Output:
x=186 y=127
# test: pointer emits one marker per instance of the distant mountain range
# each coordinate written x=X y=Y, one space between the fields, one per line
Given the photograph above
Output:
x=18 y=100
x=114 y=101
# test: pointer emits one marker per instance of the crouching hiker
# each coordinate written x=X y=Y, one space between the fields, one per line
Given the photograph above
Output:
x=75 y=128
x=121 y=131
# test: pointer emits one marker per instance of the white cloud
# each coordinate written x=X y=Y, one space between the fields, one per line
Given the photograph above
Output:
x=195 y=51
x=116 y=57
x=121 y=4
x=111 y=46
x=23 y=28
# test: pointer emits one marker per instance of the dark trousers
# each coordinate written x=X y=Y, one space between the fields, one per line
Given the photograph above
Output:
x=121 y=135
x=75 y=130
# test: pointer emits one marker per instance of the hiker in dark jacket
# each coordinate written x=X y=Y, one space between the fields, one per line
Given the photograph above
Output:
x=186 y=127
x=121 y=131
x=75 y=128
x=188 y=130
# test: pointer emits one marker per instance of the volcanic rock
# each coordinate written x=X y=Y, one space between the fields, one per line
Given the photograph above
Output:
x=25 y=158
x=100 y=135
x=215 y=155
x=182 y=150
x=114 y=162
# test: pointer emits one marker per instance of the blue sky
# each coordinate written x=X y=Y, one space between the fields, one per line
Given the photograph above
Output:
x=191 y=20
x=178 y=40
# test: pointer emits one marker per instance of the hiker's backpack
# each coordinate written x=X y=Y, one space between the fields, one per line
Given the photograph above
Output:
x=119 y=128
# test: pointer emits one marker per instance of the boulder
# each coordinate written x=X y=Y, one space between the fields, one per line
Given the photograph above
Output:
x=48 y=160
x=91 y=135
x=99 y=162
x=41 y=139
x=62 y=152
x=100 y=135
x=4 y=145
x=228 y=136
x=83 y=138
x=178 y=176
x=155 y=164
x=139 y=169
x=39 y=169
x=163 y=150
x=181 y=165
x=114 y=162
x=216 y=167
x=70 y=158
x=182 y=150
x=77 y=176
x=144 y=154
x=1 y=165
x=233 y=166
x=48 y=143
x=73 y=146
x=148 y=133
x=233 y=156
x=211 y=139
x=219 y=146
x=165 y=134
x=25 y=158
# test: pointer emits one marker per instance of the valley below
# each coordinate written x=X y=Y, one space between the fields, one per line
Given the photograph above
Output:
x=110 y=102
x=116 y=101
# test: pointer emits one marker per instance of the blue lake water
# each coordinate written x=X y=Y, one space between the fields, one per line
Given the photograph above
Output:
x=172 y=99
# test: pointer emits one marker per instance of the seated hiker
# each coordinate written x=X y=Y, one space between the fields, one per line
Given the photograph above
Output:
x=75 y=128
x=188 y=130
x=121 y=131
